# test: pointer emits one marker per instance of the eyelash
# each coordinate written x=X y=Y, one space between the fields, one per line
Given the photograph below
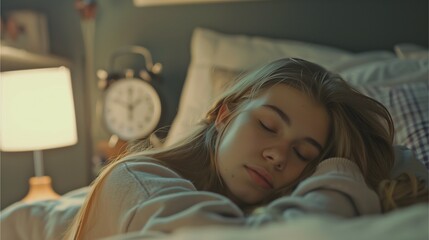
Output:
x=294 y=149
x=266 y=128
x=299 y=155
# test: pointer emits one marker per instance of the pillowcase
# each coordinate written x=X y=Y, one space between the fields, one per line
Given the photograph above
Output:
x=361 y=59
x=221 y=78
x=411 y=51
x=408 y=105
x=245 y=52
x=389 y=71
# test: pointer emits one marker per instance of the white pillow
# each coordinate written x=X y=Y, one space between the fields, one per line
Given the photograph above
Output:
x=390 y=71
x=245 y=52
x=194 y=100
x=408 y=104
x=362 y=59
x=210 y=49
x=411 y=51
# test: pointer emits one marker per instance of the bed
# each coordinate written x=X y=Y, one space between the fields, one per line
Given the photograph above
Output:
x=397 y=78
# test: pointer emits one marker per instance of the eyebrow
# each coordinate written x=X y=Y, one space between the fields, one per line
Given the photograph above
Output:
x=286 y=119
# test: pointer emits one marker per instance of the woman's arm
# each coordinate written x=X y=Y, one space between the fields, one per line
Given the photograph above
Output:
x=336 y=188
x=150 y=198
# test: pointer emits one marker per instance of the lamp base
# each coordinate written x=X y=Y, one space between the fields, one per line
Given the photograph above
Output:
x=40 y=189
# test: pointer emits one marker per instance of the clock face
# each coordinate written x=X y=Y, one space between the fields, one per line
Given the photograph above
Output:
x=132 y=108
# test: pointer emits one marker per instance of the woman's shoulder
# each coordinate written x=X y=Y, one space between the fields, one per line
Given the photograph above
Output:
x=145 y=166
x=144 y=174
x=336 y=167
x=334 y=173
x=342 y=176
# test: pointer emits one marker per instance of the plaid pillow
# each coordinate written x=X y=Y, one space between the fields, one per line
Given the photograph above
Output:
x=408 y=105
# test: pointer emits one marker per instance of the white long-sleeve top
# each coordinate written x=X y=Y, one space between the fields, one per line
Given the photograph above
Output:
x=139 y=199
x=150 y=199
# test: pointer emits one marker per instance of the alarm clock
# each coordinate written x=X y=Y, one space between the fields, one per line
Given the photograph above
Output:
x=131 y=106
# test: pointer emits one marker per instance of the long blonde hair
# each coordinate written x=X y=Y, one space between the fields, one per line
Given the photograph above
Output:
x=361 y=130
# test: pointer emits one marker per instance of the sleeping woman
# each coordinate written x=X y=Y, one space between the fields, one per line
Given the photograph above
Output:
x=287 y=139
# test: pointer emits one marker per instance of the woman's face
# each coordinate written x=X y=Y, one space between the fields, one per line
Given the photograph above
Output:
x=268 y=144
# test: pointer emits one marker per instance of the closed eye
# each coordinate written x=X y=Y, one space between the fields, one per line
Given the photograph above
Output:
x=266 y=128
x=297 y=153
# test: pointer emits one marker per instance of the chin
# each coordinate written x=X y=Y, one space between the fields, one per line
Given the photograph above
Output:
x=241 y=197
x=251 y=200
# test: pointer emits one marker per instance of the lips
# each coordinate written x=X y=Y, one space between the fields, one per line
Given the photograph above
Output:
x=260 y=176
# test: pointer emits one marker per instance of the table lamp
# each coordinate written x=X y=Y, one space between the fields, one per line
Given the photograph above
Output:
x=37 y=113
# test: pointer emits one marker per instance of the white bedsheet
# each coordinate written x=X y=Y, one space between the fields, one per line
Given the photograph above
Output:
x=41 y=220
x=45 y=220
x=406 y=224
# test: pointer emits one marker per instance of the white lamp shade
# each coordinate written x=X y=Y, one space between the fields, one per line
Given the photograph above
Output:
x=36 y=110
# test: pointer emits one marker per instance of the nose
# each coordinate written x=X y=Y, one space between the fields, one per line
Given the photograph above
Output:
x=276 y=156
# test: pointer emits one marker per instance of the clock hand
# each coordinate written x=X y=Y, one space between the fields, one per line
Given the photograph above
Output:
x=130 y=108
x=135 y=103
x=130 y=96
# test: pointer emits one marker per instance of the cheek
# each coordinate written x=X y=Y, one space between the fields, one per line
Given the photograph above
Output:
x=292 y=171
x=298 y=170
x=237 y=146
x=239 y=138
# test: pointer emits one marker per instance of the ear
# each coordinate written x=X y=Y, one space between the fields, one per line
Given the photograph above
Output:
x=222 y=116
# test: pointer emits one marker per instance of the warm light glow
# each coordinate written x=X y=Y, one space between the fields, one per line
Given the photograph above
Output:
x=40 y=189
x=36 y=110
